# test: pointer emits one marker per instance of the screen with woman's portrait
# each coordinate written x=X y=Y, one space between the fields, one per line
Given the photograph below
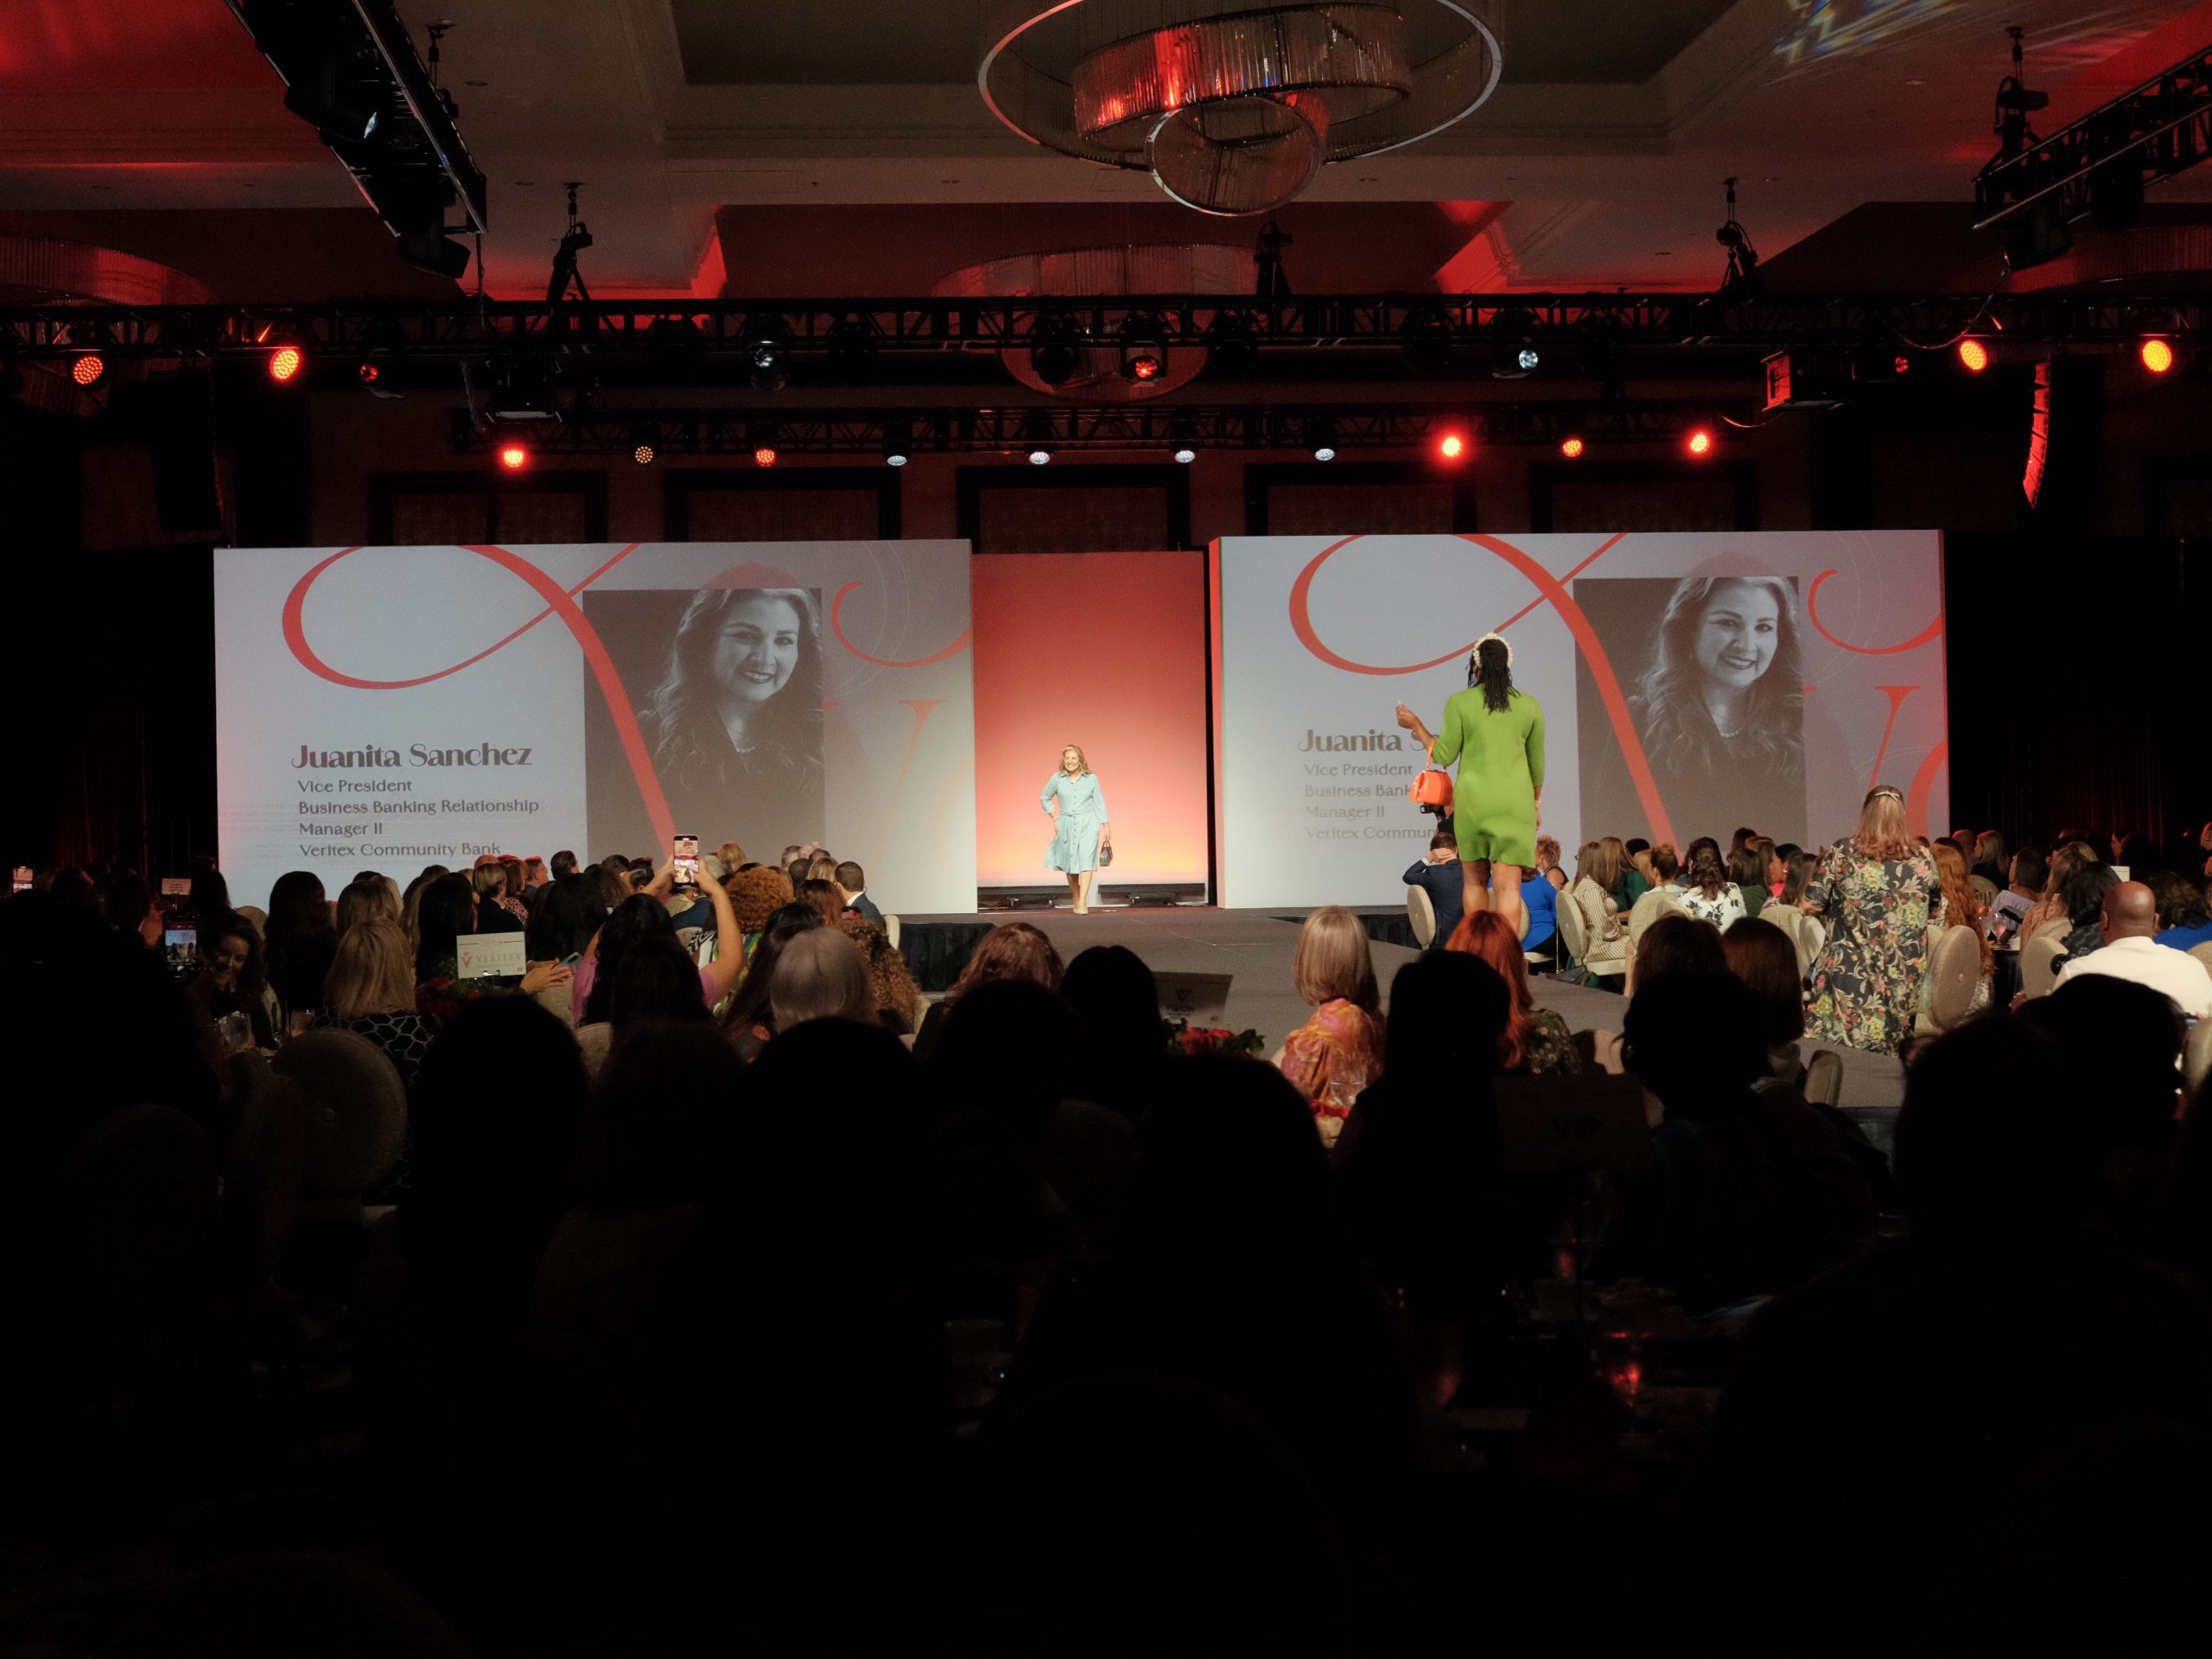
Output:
x=1713 y=669
x=389 y=707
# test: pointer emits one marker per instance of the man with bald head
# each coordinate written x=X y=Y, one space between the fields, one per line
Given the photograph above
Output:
x=2130 y=917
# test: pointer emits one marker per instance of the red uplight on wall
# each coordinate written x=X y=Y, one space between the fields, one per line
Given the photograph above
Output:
x=1571 y=447
x=285 y=362
x=514 y=456
x=2158 y=355
x=1974 y=356
x=1451 y=446
x=1700 y=442
x=764 y=456
x=87 y=368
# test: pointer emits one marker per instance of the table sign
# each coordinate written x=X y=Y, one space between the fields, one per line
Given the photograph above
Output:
x=492 y=956
x=1202 y=999
x=176 y=887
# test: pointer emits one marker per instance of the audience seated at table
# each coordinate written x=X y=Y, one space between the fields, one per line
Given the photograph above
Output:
x=675 y=1325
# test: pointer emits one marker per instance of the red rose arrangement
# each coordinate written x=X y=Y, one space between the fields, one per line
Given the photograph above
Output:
x=1182 y=1037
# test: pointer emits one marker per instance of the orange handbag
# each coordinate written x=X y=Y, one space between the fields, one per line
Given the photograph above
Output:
x=1432 y=790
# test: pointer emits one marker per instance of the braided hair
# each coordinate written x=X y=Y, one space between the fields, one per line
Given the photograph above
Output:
x=1489 y=664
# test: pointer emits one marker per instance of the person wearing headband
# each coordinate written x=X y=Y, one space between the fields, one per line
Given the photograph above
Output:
x=1496 y=735
x=1878 y=892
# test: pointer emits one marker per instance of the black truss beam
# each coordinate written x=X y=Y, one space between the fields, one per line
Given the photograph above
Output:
x=682 y=333
x=2159 y=129
x=798 y=431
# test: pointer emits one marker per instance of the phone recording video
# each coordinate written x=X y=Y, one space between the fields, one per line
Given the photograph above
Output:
x=180 y=945
x=684 y=850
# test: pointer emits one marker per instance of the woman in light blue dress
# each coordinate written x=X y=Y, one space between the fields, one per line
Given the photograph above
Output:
x=1083 y=832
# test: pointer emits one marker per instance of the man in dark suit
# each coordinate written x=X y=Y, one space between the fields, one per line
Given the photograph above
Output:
x=1439 y=874
x=852 y=881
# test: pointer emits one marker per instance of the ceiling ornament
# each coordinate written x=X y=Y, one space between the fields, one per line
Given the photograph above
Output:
x=1234 y=109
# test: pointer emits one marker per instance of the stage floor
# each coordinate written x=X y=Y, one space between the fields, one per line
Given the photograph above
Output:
x=1254 y=947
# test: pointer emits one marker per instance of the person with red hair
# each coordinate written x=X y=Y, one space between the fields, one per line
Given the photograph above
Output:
x=1535 y=1041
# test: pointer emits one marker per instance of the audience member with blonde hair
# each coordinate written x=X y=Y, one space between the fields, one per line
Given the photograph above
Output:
x=1878 y=891
x=370 y=990
x=1605 y=937
x=1337 y=1052
x=368 y=895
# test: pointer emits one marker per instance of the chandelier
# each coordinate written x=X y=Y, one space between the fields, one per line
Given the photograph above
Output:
x=1232 y=108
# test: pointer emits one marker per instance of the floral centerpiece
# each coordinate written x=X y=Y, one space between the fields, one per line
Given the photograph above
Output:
x=1182 y=1037
x=443 y=995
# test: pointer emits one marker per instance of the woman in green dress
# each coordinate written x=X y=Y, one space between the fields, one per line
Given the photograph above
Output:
x=1496 y=735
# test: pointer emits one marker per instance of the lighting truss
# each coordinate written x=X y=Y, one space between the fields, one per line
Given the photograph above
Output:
x=612 y=331
x=2158 y=130
x=1121 y=426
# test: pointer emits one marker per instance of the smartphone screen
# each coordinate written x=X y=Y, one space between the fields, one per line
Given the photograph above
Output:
x=684 y=850
x=180 y=945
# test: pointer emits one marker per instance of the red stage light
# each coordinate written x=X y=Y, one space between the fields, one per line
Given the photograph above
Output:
x=1451 y=446
x=2158 y=355
x=764 y=456
x=1572 y=449
x=285 y=362
x=88 y=368
x=370 y=374
x=1974 y=355
x=1144 y=366
x=1700 y=442
x=514 y=456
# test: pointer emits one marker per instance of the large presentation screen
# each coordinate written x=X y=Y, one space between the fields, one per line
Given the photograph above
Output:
x=387 y=707
x=1691 y=684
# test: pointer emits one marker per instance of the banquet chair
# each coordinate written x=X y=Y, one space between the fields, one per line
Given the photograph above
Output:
x=1421 y=911
x=2197 y=1056
x=2203 y=954
x=1954 y=974
x=1985 y=890
x=890 y=928
x=354 y=1113
x=1824 y=1079
x=2039 y=962
x=1571 y=932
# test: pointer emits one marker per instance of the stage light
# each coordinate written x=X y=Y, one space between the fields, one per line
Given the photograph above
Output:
x=370 y=373
x=1514 y=355
x=2158 y=355
x=1184 y=457
x=1700 y=442
x=285 y=363
x=1974 y=356
x=514 y=456
x=898 y=442
x=764 y=456
x=643 y=455
x=765 y=342
x=1322 y=432
x=645 y=438
x=1040 y=456
x=1424 y=340
x=1232 y=348
x=87 y=368
x=1144 y=350
x=1451 y=446
x=1571 y=447
x=1054 y=357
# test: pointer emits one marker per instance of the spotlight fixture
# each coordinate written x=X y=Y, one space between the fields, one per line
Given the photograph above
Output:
x=675 y=347
x=87 y=368
x=1232 y=351
x=1054 y=357
x=1513 y=354
x=2157 y=355
x=1322 y=432
x=898 y=442
x=1424 y=340
x=1451 y=446
x=644 y=436
x=1144 y=350
x=1572 y=448
x=1185 y=456
x=1974 y=356
x=1040 y=456
x=643 y=455
x=285 y=364
x=513 y=457
x=763 y=455
x=766 y=343
x=1700 y=442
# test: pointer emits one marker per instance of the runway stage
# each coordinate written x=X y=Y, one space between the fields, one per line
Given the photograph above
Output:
x=1253 y=947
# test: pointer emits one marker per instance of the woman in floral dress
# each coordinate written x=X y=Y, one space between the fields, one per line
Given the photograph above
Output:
x=1879 y=889
x=1337 y=1052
